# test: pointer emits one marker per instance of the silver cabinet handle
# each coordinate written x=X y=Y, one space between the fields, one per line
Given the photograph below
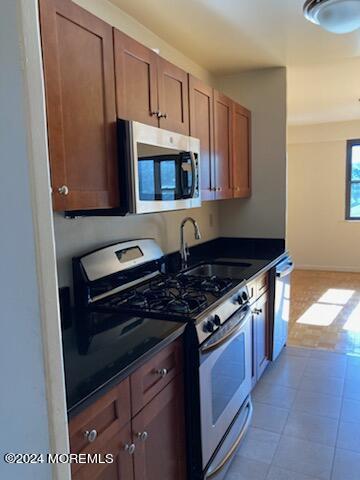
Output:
x=90 y=435
x=63 y=190
x=143 y=436
x=130 y=448
x=162 y=372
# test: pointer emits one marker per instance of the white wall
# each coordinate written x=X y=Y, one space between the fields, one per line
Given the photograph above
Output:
x=318 y=235
x=74 y=237
x=23 y=407
x=264 y=213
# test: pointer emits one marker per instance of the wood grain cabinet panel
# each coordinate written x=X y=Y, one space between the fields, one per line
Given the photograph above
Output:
x=202 y=127
x=241 y=151
x=161 y=452
x=152 y=377
x=262 y=334
x=122 y=466
x=173 y=97
x=223 y=145
x=80 y=98
x=106 y=416
x=136 y=80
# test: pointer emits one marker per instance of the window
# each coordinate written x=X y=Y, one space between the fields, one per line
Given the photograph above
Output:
x=353 y=180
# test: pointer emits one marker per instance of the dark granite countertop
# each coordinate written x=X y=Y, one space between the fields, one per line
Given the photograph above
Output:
x=120 y=345
x=111 y=354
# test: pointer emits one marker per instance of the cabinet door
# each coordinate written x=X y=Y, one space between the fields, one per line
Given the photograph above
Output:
x=120 y=469
x=261 y=321
x=136 y=80
x=173 y=97
x=79 y=77
x=202 y=127
x=159 y=436
x=241 y=151
x=223 y=145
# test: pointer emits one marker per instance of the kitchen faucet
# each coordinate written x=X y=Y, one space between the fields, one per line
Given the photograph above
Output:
x=184 y=251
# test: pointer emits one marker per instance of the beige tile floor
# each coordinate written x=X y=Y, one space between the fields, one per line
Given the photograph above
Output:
x=325 y=311
x=306 y=422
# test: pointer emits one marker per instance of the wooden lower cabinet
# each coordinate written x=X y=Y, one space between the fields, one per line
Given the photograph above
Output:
x=159 y=436
x=146 y=445
x=120 y=469
x=261 y=321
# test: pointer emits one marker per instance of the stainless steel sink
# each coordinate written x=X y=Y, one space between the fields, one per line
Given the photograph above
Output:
x=221 y=270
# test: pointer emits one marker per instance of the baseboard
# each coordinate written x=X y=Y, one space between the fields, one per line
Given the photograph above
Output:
x=327 y=268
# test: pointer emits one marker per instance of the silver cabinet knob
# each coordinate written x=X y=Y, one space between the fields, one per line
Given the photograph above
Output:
x=143 y=436
x=130 y=448
x=64 y=190
x=162 y=372
x=91 y=435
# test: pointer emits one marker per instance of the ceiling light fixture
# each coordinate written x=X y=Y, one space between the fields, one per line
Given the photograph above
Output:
x=336 y=16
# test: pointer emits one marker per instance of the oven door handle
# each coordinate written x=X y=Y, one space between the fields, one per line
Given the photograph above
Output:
x=231 y=333
x=235 y=445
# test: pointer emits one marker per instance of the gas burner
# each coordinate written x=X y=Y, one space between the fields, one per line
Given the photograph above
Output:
x=171 y=293
x=215 y=285
x=131 y=298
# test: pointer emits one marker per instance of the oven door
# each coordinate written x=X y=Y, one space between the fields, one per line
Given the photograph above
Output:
x=225 y=379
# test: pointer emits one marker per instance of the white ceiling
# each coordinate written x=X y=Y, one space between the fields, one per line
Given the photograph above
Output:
x=231 y=35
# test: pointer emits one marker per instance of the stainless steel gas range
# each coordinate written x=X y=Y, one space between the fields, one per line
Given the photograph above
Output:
x=130 y=278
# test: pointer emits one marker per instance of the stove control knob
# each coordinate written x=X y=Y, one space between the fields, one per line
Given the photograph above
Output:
x=245 y=296
x=217 y=320
x=209 y=326
x=240 y=300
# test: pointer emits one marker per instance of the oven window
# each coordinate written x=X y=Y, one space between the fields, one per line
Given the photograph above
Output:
x=227 y=375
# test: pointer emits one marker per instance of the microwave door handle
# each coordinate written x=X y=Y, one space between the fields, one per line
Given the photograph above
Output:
x=194 y=174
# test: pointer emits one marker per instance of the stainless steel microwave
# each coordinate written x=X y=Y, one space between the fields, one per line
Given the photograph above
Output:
x=162 y=168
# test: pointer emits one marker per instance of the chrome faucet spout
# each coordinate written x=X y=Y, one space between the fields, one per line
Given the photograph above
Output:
x=184 y=251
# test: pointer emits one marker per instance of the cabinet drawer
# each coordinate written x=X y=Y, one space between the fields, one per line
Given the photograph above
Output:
x=258 y=286
x=99 y=423
x=152 y=377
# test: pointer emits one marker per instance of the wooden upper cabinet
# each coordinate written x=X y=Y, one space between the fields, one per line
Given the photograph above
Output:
x=223 y=145
x=173 y=97
x=241 y=151
x=79 y=77
x=202 y=127
x=136 y=80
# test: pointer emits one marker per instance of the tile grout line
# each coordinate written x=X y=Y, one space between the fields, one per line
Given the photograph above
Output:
x=282 y=435
x=338 y=425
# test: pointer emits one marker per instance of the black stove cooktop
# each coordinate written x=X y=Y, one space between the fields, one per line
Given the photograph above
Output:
x=176 y=295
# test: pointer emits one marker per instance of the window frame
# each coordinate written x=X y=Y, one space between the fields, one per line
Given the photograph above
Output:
x=349 y=182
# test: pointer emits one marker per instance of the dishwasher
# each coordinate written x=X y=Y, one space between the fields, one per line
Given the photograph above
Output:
x=281 y=305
